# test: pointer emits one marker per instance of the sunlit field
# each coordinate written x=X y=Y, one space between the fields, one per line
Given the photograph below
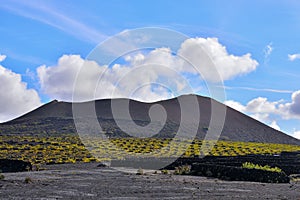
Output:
x=69 y=149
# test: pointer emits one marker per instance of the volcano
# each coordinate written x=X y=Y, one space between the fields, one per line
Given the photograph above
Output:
x=56 y=119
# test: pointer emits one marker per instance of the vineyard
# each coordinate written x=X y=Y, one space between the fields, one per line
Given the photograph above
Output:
x=70 y=149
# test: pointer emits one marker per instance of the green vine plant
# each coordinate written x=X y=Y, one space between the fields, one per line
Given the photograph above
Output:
x=249 y=165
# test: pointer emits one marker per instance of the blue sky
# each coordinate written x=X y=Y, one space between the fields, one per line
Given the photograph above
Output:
x=39 y=33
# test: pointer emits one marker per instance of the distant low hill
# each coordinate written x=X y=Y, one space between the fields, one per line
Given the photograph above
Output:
x=56 y=118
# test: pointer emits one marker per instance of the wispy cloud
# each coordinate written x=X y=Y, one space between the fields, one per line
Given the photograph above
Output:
x=2 y=57
x=267 y=52
x=230 y=37
x=52 y=17
x=25 y=58
x=258 y=89
x=293 y=57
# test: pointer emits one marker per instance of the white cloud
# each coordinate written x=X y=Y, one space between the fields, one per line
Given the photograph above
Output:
x=262 y=109
x=262 y=117
x=58 y=81
x=275 y=125
x=292 y=109
x=15 y=98
x=2 y=57
x=256 y=106
x=132 y=79
x=295 y=105
x=296 y=134
x=257 y=113
x=235 y=105
x=293 y=57
x=227 y=65
x=261 y=105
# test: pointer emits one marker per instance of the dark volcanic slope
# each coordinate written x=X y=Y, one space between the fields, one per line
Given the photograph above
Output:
x=56 y=118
